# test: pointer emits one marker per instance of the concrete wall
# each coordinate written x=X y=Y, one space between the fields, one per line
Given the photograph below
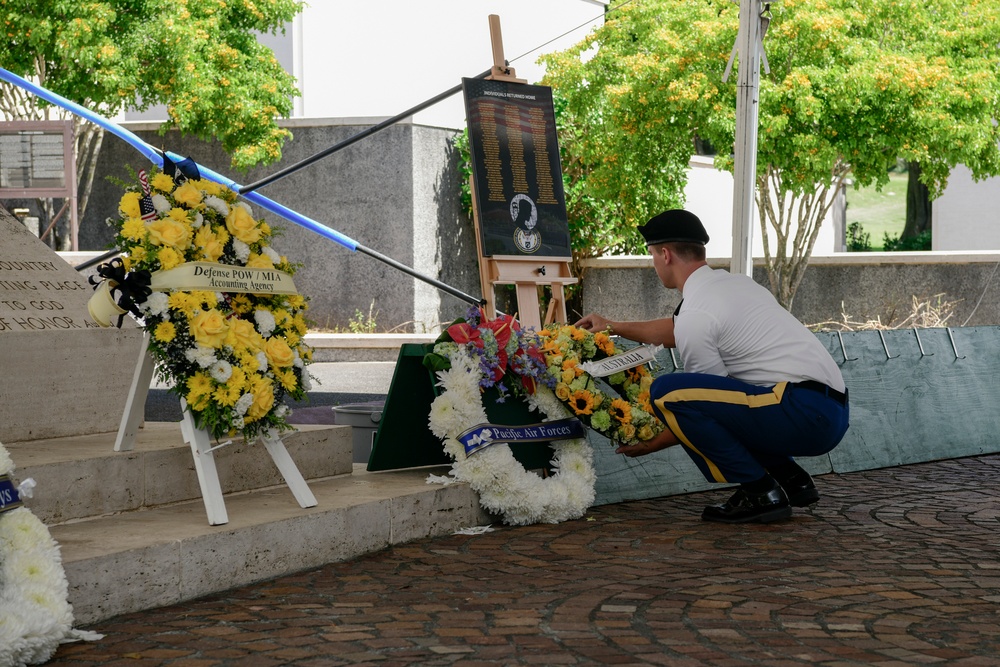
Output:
x=865 y=285
x=394 y=192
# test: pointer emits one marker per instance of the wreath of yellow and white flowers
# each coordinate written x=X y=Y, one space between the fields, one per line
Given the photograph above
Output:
x=35 y=615
x=232 y=357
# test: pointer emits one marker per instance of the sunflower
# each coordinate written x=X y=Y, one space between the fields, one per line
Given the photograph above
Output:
x=621 y=411
x=582 y=402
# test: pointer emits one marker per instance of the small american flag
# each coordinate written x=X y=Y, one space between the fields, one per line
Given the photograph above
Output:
x=146 y=209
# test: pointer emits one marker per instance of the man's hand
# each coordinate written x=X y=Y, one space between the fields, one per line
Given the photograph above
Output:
x=594 y=323
x=661 y=440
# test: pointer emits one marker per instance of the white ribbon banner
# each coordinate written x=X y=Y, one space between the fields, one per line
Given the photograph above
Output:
x=620 y=362
x=223 y=278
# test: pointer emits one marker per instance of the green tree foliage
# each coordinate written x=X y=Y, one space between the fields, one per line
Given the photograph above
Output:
x=854 y=85
x=201 y=59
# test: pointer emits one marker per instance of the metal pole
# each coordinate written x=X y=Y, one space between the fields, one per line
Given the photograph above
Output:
x=416 y=274
x=745 y=154
x=356 y=137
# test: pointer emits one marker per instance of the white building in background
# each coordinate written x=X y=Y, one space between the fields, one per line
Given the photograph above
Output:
x=966 y=216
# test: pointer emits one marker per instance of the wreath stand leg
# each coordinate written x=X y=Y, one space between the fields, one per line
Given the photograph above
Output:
x=204 y=465
x=135 y=405
x=286 y=466
x=201 y=448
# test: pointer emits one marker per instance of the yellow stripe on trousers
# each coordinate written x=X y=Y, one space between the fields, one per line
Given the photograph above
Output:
x=714 y=396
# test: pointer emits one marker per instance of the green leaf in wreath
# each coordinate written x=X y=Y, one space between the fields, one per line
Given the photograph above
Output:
x=436 y=362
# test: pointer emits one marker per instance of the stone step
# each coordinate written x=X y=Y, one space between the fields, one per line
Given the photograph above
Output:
x=153 y=557
x=83 y=476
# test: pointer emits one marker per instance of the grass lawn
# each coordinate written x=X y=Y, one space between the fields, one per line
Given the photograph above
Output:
x=879 y=212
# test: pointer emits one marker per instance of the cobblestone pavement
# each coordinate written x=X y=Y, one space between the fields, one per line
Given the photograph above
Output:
x=894 y=567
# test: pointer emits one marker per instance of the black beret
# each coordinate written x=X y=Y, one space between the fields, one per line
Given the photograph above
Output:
x=674 y=226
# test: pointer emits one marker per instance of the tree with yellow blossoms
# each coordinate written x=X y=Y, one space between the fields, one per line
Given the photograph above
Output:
x=200 y=59
x=854 y=86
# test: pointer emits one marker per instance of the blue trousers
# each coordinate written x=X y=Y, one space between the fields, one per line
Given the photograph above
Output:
x=734 y=431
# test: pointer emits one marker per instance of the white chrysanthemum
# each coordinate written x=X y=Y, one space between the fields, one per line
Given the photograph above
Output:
x=156 y=304
x=198 y=221
x=307 y=381
x=243 y=404
x=282 y=410
x=160 y=203
x=241 y=249
x=218 y=205
x=271 y=253
x=245 y=206
x=201 y=355
x=261 y=362
x=6 y=463
x=265 y=322
x=444 y=419
x=221 y=370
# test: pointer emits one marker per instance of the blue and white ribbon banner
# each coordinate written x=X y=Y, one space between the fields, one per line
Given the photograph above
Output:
x=484 y=435
x=9 y=498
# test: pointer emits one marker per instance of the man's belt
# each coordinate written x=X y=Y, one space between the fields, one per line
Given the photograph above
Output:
x=812 y=385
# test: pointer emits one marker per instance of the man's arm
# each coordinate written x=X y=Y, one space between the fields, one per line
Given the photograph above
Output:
x=661 y=440
x=658 y=332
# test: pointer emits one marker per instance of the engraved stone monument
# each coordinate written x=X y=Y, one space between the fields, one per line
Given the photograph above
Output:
x=60 y=372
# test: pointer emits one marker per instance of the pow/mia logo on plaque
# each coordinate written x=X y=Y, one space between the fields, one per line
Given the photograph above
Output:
x=524 y=213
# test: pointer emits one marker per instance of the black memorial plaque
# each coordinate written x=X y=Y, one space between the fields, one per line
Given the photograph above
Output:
x=516 y=175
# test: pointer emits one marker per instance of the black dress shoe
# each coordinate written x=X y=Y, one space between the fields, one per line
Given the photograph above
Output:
x=747 y=507
x=800 y=489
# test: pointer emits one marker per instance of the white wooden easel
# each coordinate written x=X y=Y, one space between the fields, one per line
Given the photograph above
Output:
x=201 y=447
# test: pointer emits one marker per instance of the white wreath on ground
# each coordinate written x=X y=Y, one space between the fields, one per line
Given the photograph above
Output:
x=505 y=488
x=35 y=614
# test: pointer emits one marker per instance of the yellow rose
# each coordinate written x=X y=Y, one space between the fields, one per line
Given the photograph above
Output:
x=129 y=205
x=263 y=400
x=162 y=182
x=209 y=187
x=169 y=232
x=188 y=194
x=208 y=244
x=242 y=225
x=242 y=335
x=260 y=262
x=646 y=432
x=627 y=430
x=563 y=392
x=278 y=353
x=209 y=328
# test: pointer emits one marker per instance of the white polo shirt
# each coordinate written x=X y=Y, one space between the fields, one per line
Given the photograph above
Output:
x=730 y=325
